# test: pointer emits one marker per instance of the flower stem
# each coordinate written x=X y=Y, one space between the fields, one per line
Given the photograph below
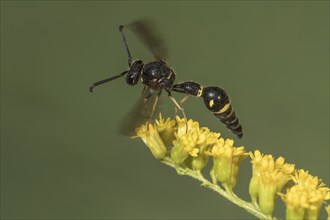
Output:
x=230 y=195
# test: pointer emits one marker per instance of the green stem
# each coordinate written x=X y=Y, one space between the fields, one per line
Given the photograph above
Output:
x=231 y=196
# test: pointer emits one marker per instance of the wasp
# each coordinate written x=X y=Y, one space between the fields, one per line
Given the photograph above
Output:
x=157 y=76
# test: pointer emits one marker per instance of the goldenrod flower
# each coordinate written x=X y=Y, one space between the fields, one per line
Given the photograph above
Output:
x=226 y=161
x=151 y=138
x=192 y=143
x=190 y=147
x=166 y=129
x=268 y=178
x=305 y=199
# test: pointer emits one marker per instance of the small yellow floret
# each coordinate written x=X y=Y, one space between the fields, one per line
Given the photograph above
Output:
x=192 y=143
x=268 y=178
x=226 y=161
x=166 y=129
x=327 y=209
x=305 y=199
x=151 y=138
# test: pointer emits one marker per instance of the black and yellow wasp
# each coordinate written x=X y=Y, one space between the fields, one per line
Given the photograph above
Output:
x=158 y=76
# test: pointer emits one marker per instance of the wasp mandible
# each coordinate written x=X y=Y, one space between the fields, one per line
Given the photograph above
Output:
x=158 y=76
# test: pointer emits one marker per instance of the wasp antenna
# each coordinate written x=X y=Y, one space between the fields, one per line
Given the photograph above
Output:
x=91 y=88
x=121 y=27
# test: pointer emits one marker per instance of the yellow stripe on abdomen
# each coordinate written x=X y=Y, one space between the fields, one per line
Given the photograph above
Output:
x=224 y=109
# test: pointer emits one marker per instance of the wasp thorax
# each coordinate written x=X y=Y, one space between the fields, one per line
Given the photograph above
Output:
x=157 y=75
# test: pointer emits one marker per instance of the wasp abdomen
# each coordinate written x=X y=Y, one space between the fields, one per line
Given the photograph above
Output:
x=217 y=101
x=229 y=118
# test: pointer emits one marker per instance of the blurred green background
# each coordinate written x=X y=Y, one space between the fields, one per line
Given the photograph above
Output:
x=61 y=156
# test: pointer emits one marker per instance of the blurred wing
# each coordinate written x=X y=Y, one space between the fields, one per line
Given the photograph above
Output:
x=146 y=31
x=141 y=112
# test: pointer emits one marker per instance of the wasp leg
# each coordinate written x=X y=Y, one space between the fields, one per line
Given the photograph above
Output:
x=149 y=95
x=146 y=92
x=184 y=99
x=91 y=88
x=180 y=108
x=153 y=110
x=180 y=103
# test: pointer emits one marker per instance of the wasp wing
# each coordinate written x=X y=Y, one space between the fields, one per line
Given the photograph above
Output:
x=144 y=110
x=147 y=33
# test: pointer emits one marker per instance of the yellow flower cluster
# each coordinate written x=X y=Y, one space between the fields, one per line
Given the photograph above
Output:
x=305 y=198
x=268 y=178
x=226 y=161
x=190 y=146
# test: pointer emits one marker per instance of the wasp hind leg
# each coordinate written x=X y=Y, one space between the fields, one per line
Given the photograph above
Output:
x=177 y=105
x=180 y=103
x=150 y=103
x=154 y=106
